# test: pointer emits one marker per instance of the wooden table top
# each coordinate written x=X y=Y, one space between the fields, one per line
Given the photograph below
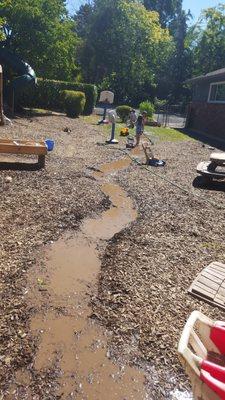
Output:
x=218 y=158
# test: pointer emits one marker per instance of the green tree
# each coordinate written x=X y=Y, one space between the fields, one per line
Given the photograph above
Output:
x=123 y=49
x=208 y=40
x=43 y=35
x=83 y=19
x=167 y=9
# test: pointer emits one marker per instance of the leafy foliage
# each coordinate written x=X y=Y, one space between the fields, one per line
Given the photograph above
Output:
x=159 y=102
x=148 y=107
x=48 y=95
x=123 y=48
x=74 y=102
x=208 y=40
x=137 y=48
x=167 y=9
x=43 y=35
x=123 y=112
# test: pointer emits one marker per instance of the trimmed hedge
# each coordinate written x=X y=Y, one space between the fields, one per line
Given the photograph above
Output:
x=74 y=102
x=47 y=94
x=123 y=112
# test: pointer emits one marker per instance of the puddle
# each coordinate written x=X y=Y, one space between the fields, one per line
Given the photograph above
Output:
x=69 y=340
x=113 y=220
x=117 y=165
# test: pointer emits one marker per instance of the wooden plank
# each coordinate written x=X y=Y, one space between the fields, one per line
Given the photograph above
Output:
x=219 y=299
x=207 y=282
x=210 y=276
x=208 y=301
x=222 y=284
x=19 y=147
x=218 y=263
x=217 y=157
x=22 y=141
x=203 y=292
x=221 y=292
x=214 y=272
x=217 y=266
x=202 y=168
x=210 y=285
x=199 y=286
x=203 y=286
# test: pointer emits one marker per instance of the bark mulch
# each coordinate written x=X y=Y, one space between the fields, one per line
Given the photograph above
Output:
x=36 y=207
x=148 y=267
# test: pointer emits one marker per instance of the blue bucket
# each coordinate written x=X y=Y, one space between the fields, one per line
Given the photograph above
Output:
x=50 y=144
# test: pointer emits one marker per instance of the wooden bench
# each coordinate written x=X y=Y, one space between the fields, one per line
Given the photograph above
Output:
x=18 y=146
x=207 y=169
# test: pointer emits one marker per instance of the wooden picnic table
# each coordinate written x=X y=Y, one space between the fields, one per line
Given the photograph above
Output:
x=18 y=146
x=208 y=168
x=218 y=158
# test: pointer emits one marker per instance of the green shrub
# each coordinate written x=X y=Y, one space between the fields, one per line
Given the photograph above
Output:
x=74 y=102
x=47 y=94
x=158 y=103
x=123 y=112
x=148 y=107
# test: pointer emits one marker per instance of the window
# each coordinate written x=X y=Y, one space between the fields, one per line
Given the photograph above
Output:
x=217 y=92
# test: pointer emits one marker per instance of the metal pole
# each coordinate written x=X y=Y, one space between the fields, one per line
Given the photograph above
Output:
x=1 y=97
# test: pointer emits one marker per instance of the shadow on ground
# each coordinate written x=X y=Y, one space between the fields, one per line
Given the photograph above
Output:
x=19 y=166
x=213 y=185
x=219 y=144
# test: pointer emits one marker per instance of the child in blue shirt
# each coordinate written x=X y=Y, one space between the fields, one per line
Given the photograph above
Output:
x=139 y=129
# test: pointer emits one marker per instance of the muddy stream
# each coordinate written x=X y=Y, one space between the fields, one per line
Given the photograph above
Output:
x=69 y=341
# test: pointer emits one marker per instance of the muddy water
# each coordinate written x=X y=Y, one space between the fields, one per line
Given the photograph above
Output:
x=68 y=339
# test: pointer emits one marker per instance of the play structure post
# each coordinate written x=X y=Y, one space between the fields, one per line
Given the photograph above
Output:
x=106 y=98
x=112 y=119
x=1 y=97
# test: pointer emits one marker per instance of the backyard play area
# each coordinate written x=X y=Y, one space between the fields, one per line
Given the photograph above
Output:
x=112 y=201
x=98 y=253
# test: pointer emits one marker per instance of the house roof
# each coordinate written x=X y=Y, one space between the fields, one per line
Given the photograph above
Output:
x=208 y=76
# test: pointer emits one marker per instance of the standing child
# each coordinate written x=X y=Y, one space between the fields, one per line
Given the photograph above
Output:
x=139 y=129
x=132 y=118
x=145 y=117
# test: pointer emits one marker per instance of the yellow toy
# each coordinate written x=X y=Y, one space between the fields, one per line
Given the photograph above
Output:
x=124 y=132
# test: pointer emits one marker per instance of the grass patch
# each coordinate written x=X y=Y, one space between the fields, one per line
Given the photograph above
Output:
x=106 y=128
x=155 y=133
x=167 y=134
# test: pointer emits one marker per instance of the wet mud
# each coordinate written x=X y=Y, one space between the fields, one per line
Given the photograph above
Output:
x=68 y=339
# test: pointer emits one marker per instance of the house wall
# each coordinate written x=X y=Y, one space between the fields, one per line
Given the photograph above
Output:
x=200 y=89
x=208 y=118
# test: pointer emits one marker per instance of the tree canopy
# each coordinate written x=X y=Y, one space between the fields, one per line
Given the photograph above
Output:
x=208 y=40
x=43 y=34
x=167 y=9
x=138 y=48
x=124 y=48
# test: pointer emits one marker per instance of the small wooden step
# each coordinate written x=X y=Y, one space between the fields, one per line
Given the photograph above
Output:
x=210 y=285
